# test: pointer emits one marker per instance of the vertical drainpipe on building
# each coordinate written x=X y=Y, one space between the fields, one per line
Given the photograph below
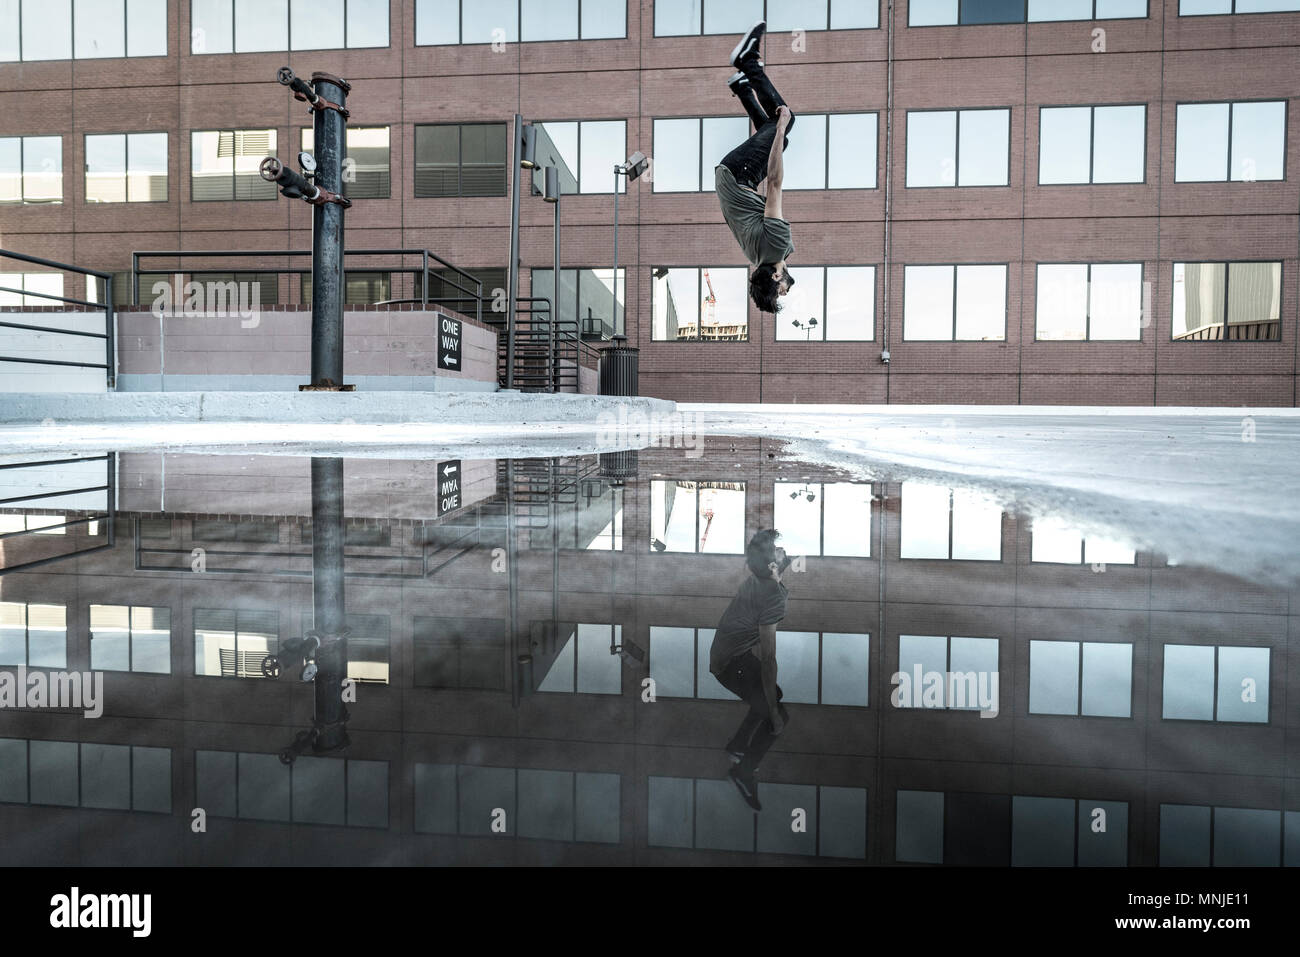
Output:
x=889 y=182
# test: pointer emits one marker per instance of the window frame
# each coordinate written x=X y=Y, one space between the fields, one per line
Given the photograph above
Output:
x=1024 y=21
x=1078 y=700
x=670 y=480
x=1092 y=142
x=1006 y=308
x=22 y=171
x=1234 y=12
x=126 y=175
x=825 y=268
x=700 y=284
x=519 y=29
x=1214 y=718
x=956 y=158
x=1087 y=319
x=302 y=141
x=826 y=29
x=275 y=195
x=460 y=160
x=288 y=33
x=72 y=38
x=1227 y=286
x=1230 y=104
x=130 y=638
x=952 y=502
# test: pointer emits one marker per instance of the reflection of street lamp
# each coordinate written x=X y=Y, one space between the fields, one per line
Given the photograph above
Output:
x=808 y=327
x=636 y=165
x=805 y=492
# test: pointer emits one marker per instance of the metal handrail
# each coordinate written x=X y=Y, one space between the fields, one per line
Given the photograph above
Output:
x=107 y=335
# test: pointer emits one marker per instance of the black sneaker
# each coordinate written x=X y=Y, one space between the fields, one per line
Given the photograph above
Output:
x=735 y=754
x=749 y=44
x=736 y=81
x=747 y=787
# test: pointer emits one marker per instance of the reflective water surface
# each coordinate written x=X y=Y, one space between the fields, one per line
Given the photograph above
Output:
x=367 y=661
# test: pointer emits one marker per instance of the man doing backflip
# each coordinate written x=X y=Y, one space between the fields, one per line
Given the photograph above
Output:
x=757 y=223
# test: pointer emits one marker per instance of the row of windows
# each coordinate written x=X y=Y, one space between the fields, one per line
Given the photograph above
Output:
x=32 y=30
x=967 y=302
x=1201 y=682
x=1215 y=142
x=1242 y=142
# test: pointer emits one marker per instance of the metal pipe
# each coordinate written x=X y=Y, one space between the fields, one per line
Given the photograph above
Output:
x=512 y=276
x=613 y=311
x=327 y=236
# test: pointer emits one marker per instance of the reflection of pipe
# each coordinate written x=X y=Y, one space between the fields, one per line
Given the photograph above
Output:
x=327 y=600
x=513 y=579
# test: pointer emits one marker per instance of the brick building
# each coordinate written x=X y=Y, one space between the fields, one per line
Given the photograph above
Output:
x=1013 y=205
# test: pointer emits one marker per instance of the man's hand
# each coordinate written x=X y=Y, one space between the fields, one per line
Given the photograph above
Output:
x=778 y=722
x=782 y=116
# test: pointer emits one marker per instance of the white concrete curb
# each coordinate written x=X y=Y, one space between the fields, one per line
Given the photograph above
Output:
x=316 y=408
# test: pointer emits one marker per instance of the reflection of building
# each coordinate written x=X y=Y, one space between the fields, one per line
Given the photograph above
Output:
x=493 y=685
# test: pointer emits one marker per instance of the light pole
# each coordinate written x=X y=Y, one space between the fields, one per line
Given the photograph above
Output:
x=525 y=150
x=552 y=196
x=636 y=165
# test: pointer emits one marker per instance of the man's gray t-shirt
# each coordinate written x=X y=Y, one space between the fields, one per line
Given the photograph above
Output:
x=764 y=240
x=760 y=601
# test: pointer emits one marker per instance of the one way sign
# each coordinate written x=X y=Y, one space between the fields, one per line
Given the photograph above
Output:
x=449 y=335
x=448 y=487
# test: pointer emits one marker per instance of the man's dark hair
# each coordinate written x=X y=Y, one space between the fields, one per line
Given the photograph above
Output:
x=761 y=551
x=764 y=289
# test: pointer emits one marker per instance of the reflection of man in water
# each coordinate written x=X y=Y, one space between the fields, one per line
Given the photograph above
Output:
x=743 y=659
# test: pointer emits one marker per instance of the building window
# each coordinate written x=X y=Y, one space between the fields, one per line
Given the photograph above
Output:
x=232 y=644
x=832 y=151
x=955 y=303
x=585 y=299
x=126 y=168
x=958 y=147
x=260 y=787
x=464 y=653
x=954 y=672
x=467 y=159
x=700 y=813
x=677 y=18
x=368 y=642
x=44 y=29
x=35 y=635
x=948 y=523
x=1204 y=8
x=681 y=312
x=823 y=518
x=1091 y=144
x=925 y=13
x=70 y=774
x=37 y=285
x=699 y=517
x=31 y=169
x=538 y=804
x=1089 y=302
x=829 y=303
x=1090 y=678
x=252 y=26
x=366 y=165
x=1065 y=832
x=1053 y=541
x=1227 y=300
x=686 y=151
x=1192 y=836
x=224 y=165
x=1238 y=142
x=588 y=149
x=1216 y=683
x=585 y=662
x=131 y=638
x=359 y=288
x=441 y=22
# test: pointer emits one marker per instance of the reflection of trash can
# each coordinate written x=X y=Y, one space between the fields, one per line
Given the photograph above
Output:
x=618 y=368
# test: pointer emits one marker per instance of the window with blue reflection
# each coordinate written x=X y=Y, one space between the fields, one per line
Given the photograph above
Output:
x=1080 y=678
x=1239 y=142
x=1240 y=694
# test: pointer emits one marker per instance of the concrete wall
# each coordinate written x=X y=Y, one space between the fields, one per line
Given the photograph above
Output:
x=384 y=349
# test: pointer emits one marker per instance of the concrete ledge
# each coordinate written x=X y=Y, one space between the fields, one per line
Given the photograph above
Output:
x=317 y=408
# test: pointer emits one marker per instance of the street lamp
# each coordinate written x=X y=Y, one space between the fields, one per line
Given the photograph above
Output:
x=525 y=158
x=636 y=165
x=552 y=195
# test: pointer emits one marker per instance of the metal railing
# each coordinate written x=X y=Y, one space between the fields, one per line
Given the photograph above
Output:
x=107 y=335
x=422 y=273
x=25 y=504
x=548 y=354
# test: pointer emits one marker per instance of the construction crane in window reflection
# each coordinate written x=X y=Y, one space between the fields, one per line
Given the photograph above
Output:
x=709 y=308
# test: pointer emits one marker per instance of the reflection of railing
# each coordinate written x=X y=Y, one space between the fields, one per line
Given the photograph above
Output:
x=107 y=335
x=1264 y=330
x=107 y=515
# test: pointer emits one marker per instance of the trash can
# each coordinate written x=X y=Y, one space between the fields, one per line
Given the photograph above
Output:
x=619 y=365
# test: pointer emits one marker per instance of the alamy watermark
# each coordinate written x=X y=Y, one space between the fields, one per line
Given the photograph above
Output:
x=967 y=690
x=71 y=690
x=634 y=428
x=179 y=299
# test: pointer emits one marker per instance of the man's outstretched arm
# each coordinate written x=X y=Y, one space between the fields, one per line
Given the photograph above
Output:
x=775 y=165
x=767 y=671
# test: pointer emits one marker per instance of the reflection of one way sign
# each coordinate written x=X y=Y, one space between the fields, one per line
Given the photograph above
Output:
x=448 y=486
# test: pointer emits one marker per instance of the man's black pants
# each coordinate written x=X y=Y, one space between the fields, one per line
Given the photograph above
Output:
x=743 y=677
x=748 y=161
